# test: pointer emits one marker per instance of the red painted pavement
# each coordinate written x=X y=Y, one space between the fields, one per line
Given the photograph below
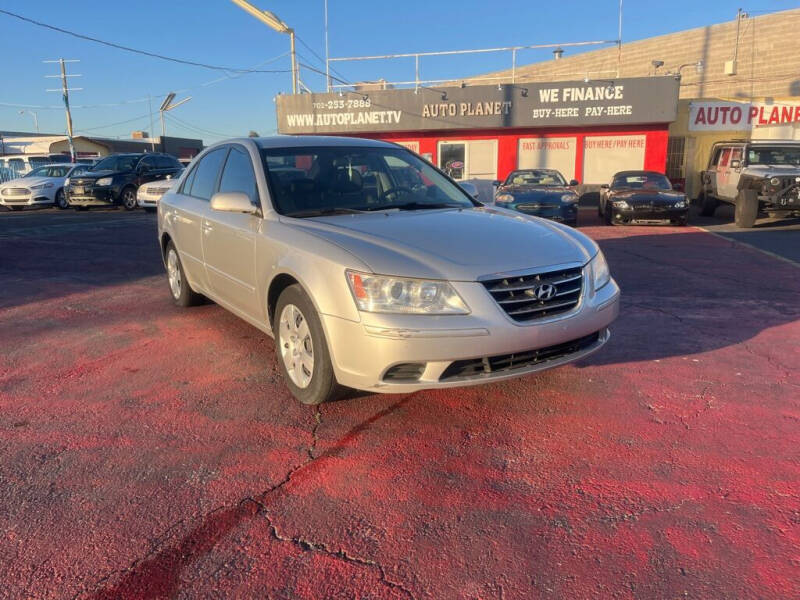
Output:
x=152 y=452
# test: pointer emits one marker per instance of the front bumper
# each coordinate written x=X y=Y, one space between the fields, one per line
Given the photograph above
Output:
x=29 y=199
x=92 y=195
x=364 y=353
x=147 y=201
x=667 y=213
x=566 y=213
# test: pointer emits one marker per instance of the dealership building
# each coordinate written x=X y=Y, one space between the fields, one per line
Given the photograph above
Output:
x=658 y=103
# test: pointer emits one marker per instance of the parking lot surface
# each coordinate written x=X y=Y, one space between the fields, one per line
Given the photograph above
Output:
x=150 y=452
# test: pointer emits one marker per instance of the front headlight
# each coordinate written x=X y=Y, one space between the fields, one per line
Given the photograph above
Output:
x=104 y=181
x=66 y=182
x=504 y=198
x=569 y=198
x=600 y=273
x=41 y=186
x=680 y=204
x=384 y=294
x=620 y=204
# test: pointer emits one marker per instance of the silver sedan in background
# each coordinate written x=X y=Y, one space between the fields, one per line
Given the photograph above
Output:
x=148 y=194
x=368 y=278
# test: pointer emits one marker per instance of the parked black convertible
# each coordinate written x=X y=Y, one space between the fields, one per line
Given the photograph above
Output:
x=642 y=196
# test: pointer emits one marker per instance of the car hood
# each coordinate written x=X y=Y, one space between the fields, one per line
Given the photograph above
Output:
x=534 y=191
x=31 y=181
x=99 y=174
x=20 y=182
x=454 y=244
x=771 y=170
x=635 y=196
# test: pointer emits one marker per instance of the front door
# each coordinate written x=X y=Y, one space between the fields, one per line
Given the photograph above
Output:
x=229 y=239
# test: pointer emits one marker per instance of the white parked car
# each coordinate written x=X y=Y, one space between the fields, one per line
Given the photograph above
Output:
x=44 y=185
x=148 y=195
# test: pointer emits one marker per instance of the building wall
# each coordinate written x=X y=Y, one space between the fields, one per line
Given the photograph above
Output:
x=768 y=62
x=427 y=144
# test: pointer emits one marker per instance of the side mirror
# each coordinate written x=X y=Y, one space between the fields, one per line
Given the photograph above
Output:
x=604 y=186
x=735 y=164
x=470 y=188
x=496 y=183
x=574 y=182
x=236 y=202
x=677 y=186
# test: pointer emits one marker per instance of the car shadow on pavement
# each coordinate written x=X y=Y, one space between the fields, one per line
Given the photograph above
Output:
x=688 y=293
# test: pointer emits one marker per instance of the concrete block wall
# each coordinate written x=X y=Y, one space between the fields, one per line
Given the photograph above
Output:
x=768 y=63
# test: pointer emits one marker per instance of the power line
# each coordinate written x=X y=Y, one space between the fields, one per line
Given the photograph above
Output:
x=140 y=117
x=185 y=125
x=321 y=60
x=137 y=51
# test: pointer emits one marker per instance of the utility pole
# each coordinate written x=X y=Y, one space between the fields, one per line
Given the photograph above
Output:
x=150 y=108
x=65 y=90
x=271 y=20
x=327 y=53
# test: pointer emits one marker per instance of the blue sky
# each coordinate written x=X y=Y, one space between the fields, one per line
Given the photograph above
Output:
x=219 y=33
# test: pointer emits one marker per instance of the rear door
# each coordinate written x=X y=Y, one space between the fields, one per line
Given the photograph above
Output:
x=229 y=239
x=187 y=210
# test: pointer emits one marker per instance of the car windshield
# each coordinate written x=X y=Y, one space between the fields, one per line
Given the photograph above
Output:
x=647 y=181
x=117 y=163
x=773 y=155
x=49 y=171
x=541 y=177
x=320 y=180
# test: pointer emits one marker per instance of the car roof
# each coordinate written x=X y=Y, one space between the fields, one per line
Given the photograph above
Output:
x=302 y=141
x=637 y=172
x=61 y=165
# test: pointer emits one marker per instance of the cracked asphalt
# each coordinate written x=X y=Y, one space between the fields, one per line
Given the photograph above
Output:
x=152 y=452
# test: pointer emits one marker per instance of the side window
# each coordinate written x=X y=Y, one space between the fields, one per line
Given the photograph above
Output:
x=204 y=176
x=164 y=162
x=725 y=157
x=736 y=154
x=149 y=162
x=238 y=176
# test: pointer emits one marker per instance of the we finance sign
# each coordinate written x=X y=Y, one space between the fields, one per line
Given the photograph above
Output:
x=561 y=104
x=741 y=116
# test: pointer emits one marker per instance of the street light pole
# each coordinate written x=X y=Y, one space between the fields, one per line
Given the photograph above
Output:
x=35 y=118
x=165 y=106
x=272 y=21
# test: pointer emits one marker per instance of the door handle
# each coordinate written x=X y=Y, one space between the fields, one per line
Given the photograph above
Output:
x=207 y=227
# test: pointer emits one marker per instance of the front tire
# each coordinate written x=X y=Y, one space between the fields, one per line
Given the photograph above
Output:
x=61 y=200
x=302 y=350
x=182 y=293
x=708 y=205
x=746 y=209
x=129 y=198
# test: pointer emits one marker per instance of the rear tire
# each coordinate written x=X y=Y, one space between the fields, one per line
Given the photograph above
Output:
x=746 y=209
x=607 y=216
x=182 y=293
x=80 y=208
x=300 y=342
x=708 y=205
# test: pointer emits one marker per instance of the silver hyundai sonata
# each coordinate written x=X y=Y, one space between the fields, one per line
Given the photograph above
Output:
x=373 y=270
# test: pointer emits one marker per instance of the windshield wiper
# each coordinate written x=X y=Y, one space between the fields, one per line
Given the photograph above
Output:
x=323 y=212
x=417 y=206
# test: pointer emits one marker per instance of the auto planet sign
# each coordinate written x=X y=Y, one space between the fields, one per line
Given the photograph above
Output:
x=563 y=104
x=741 y=116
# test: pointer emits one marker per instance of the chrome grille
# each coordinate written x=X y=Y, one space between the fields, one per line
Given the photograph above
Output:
x=16 y=192
x=521 y=297
x=160 y=191
x=536 y=206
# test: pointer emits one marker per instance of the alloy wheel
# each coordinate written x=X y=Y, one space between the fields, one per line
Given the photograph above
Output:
x=297 y=347
x=174 y=273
